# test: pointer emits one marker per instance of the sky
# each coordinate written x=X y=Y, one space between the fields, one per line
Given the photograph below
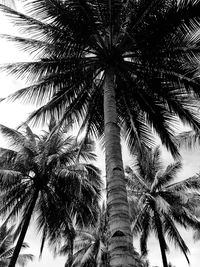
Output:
x=12 y=114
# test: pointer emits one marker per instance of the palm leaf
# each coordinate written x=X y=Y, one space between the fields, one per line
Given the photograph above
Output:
x=9 y=3
x=169 y=174
x=188 y=139
x=175 y=237
x=190 y=183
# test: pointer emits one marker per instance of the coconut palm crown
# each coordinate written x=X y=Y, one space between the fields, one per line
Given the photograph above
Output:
x=90 y=243
x=46 y=175
x=112 y=65
x=162 y=204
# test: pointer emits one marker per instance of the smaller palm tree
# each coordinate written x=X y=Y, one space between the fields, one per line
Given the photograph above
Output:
x=41 y=173
x=157 y=205
x=7 y=238
x=61 y=224
x=90 y=246
x=191 y=140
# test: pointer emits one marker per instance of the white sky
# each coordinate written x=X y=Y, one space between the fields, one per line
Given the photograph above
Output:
x=11 y=114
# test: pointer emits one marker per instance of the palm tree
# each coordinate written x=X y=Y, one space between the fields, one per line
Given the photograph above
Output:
x=90 y=246
x=191 y=140
x=61 y=224
x=35 y=168
x=67 y=234
x=112 y=65
x=161 y=204
x=63 y=237
x=6 y=248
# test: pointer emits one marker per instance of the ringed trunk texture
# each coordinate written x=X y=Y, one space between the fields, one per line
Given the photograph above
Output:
x=23 y=231
x=120 y=246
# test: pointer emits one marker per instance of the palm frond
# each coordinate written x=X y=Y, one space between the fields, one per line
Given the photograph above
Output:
x=86 y=148
x=15 y=137
x=23 y=259
x=9 y=3
x=7 y=249
x=175 y=237
x=188 y=139
x=190 y=183
x=169 y=174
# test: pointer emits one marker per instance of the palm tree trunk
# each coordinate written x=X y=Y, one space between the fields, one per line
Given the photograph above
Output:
x=120 y=239
x=163 y=254
x=23 y=230
x=161 y=239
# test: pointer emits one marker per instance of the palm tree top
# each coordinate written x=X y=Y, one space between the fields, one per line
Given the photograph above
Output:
x=160 y=198
x=90 y=243
x=40 y=173
x=76 y=43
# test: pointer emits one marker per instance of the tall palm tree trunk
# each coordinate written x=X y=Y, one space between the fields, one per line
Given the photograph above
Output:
x=161 y=239
x=23 y=231
x=120 y=239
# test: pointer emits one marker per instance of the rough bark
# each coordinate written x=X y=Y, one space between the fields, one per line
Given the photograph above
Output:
x=120 y=246
x=23 y=231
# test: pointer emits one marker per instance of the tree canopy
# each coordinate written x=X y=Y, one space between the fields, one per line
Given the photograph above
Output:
x=38 y=174
x=162 y=204
x=149 y=45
